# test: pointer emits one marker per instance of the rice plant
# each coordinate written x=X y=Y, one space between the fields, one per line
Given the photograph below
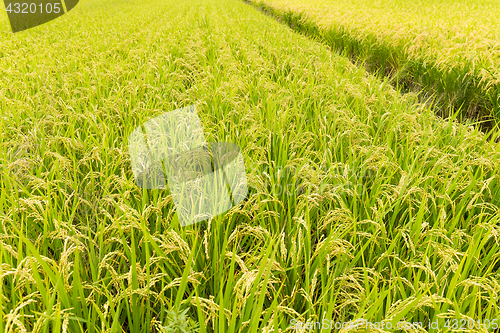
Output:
x=362 y=204
x=447 y=51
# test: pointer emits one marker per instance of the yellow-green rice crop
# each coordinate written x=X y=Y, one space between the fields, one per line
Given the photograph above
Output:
x=388 y=212
x=450 y=49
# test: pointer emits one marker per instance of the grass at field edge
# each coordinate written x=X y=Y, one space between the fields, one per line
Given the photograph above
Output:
x=455 y=92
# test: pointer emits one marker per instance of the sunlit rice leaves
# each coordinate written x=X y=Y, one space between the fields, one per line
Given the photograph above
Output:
x=448 y=51
x=362 y=203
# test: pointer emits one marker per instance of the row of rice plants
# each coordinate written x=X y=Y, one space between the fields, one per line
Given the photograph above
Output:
x=362 y=205
x=449 y=51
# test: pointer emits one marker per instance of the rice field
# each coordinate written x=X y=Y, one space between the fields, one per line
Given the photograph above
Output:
x=362 y=204
x=447 y=50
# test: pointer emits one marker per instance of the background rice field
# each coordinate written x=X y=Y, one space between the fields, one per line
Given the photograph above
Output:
x=363 y=204
x=447 y=50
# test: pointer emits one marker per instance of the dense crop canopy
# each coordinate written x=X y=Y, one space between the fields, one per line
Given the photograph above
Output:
x=362 y=203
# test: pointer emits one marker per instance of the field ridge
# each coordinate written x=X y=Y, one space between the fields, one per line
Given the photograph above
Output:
x=462 y=87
